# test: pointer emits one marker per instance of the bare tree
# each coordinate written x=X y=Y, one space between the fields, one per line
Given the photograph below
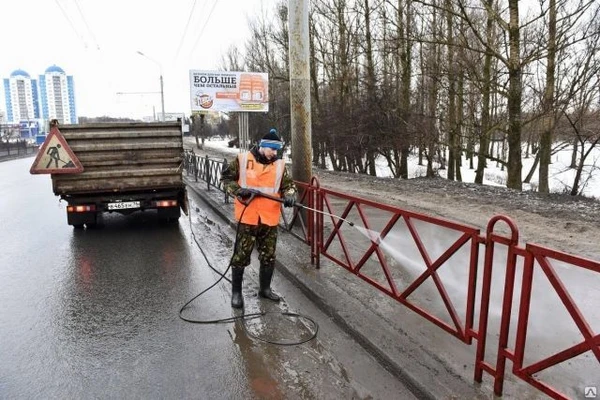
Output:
x=548 y=102
x=454 y=75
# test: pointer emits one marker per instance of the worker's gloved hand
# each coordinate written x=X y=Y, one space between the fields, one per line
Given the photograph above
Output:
x=289 y=200
x=244 y=193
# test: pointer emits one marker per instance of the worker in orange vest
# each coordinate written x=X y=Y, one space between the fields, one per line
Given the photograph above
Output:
x=258 y=170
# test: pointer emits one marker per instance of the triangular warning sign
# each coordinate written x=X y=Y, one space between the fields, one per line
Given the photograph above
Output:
x=55 y=156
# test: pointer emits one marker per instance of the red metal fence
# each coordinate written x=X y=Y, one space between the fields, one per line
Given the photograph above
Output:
x=327 y=230
x=327 y=235
x=467 y=237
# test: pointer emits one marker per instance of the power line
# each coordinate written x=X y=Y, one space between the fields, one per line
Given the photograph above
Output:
x=71 y=23
x=186 y=28
x=203 y=26
x=86 y=24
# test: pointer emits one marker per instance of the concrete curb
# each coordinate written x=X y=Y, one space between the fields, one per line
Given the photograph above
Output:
x=342 y=298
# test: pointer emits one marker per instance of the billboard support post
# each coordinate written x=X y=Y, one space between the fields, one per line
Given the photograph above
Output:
x=243 y=132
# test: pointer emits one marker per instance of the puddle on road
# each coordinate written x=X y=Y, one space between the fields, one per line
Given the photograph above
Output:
x=256 y=363
x=307 y=371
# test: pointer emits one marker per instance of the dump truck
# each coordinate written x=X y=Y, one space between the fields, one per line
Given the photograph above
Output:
x=127 y=167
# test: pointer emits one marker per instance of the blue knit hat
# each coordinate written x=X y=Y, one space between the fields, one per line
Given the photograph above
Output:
x=271 y=140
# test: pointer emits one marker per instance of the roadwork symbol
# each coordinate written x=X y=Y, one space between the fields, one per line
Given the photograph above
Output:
x=590 y=392
x=55 y=156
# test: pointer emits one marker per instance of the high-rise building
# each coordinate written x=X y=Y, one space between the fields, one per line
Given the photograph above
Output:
x=52 y=96
x=21 y=95
x=57 y=96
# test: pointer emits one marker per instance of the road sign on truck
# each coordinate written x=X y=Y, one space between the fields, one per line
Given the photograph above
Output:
x=55 y=157
x=126 y=167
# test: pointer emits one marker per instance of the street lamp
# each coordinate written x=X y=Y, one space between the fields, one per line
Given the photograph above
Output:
x=162 y=93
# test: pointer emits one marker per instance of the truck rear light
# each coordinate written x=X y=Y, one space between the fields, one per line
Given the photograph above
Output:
x=165 y=203
x=81 y=208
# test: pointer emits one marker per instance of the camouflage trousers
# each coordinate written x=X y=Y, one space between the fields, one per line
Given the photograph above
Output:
x=264 y=236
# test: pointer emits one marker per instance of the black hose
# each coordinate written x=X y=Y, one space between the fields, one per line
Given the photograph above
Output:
x=243 y=317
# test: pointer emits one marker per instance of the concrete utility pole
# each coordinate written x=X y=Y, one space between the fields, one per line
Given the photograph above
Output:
x=300 y=90
x=162 y=92
x=162 y=96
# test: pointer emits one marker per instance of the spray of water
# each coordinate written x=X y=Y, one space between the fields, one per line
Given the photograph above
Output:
x=392 y=245
x=401 y=248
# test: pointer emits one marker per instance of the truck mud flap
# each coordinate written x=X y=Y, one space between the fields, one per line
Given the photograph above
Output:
x=184 y=202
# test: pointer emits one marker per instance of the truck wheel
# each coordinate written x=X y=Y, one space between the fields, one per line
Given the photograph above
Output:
x=78 y=226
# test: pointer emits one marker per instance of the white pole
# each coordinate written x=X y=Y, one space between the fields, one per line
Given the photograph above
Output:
x=162 y=97
x=162 y=93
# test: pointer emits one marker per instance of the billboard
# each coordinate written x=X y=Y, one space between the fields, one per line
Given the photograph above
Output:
x=229 y=91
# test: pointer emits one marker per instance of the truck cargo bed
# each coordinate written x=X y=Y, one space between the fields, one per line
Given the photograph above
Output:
x=122 y=157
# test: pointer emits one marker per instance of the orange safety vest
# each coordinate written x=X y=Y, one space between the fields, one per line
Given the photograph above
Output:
x=265 y=179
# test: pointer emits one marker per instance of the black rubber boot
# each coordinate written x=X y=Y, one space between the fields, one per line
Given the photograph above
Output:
x=237 y=276
x=265 y=274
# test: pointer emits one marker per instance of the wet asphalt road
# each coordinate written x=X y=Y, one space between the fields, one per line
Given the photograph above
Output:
x=94 y=313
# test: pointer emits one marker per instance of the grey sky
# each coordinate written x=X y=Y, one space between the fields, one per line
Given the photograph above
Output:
x=97 y=43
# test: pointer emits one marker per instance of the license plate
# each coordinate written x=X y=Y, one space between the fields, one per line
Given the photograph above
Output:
x=123 y=205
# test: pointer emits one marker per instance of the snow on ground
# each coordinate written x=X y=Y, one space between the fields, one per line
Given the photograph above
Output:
x=561 y=176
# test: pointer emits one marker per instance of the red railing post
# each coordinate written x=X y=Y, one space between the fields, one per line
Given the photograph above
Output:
x=480 y=363
x=524 y=307
x=472 y=291
x=310 y=216
x=319 y=223
x=509 y=285
x=512 y=242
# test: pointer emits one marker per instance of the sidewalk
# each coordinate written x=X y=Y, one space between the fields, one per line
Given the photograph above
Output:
x=374 y=320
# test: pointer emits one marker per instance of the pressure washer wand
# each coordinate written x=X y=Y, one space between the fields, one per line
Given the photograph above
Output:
x=280 y=200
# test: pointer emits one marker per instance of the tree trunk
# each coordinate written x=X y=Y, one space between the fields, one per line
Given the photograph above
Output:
x=548 y=103
x=533 y=168
x=433 y=72
x=405 y=49
x=371 y=91
x=458 y=117
x=574 y=154
x=576 y=180
x=451 y=119
x=484 y=136
x=514 y=167
x=581 y=164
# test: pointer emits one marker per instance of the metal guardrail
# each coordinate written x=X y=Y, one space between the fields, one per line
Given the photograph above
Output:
x=334 y=245
x=206 y=169
x=546 y=262
x=11 y=150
